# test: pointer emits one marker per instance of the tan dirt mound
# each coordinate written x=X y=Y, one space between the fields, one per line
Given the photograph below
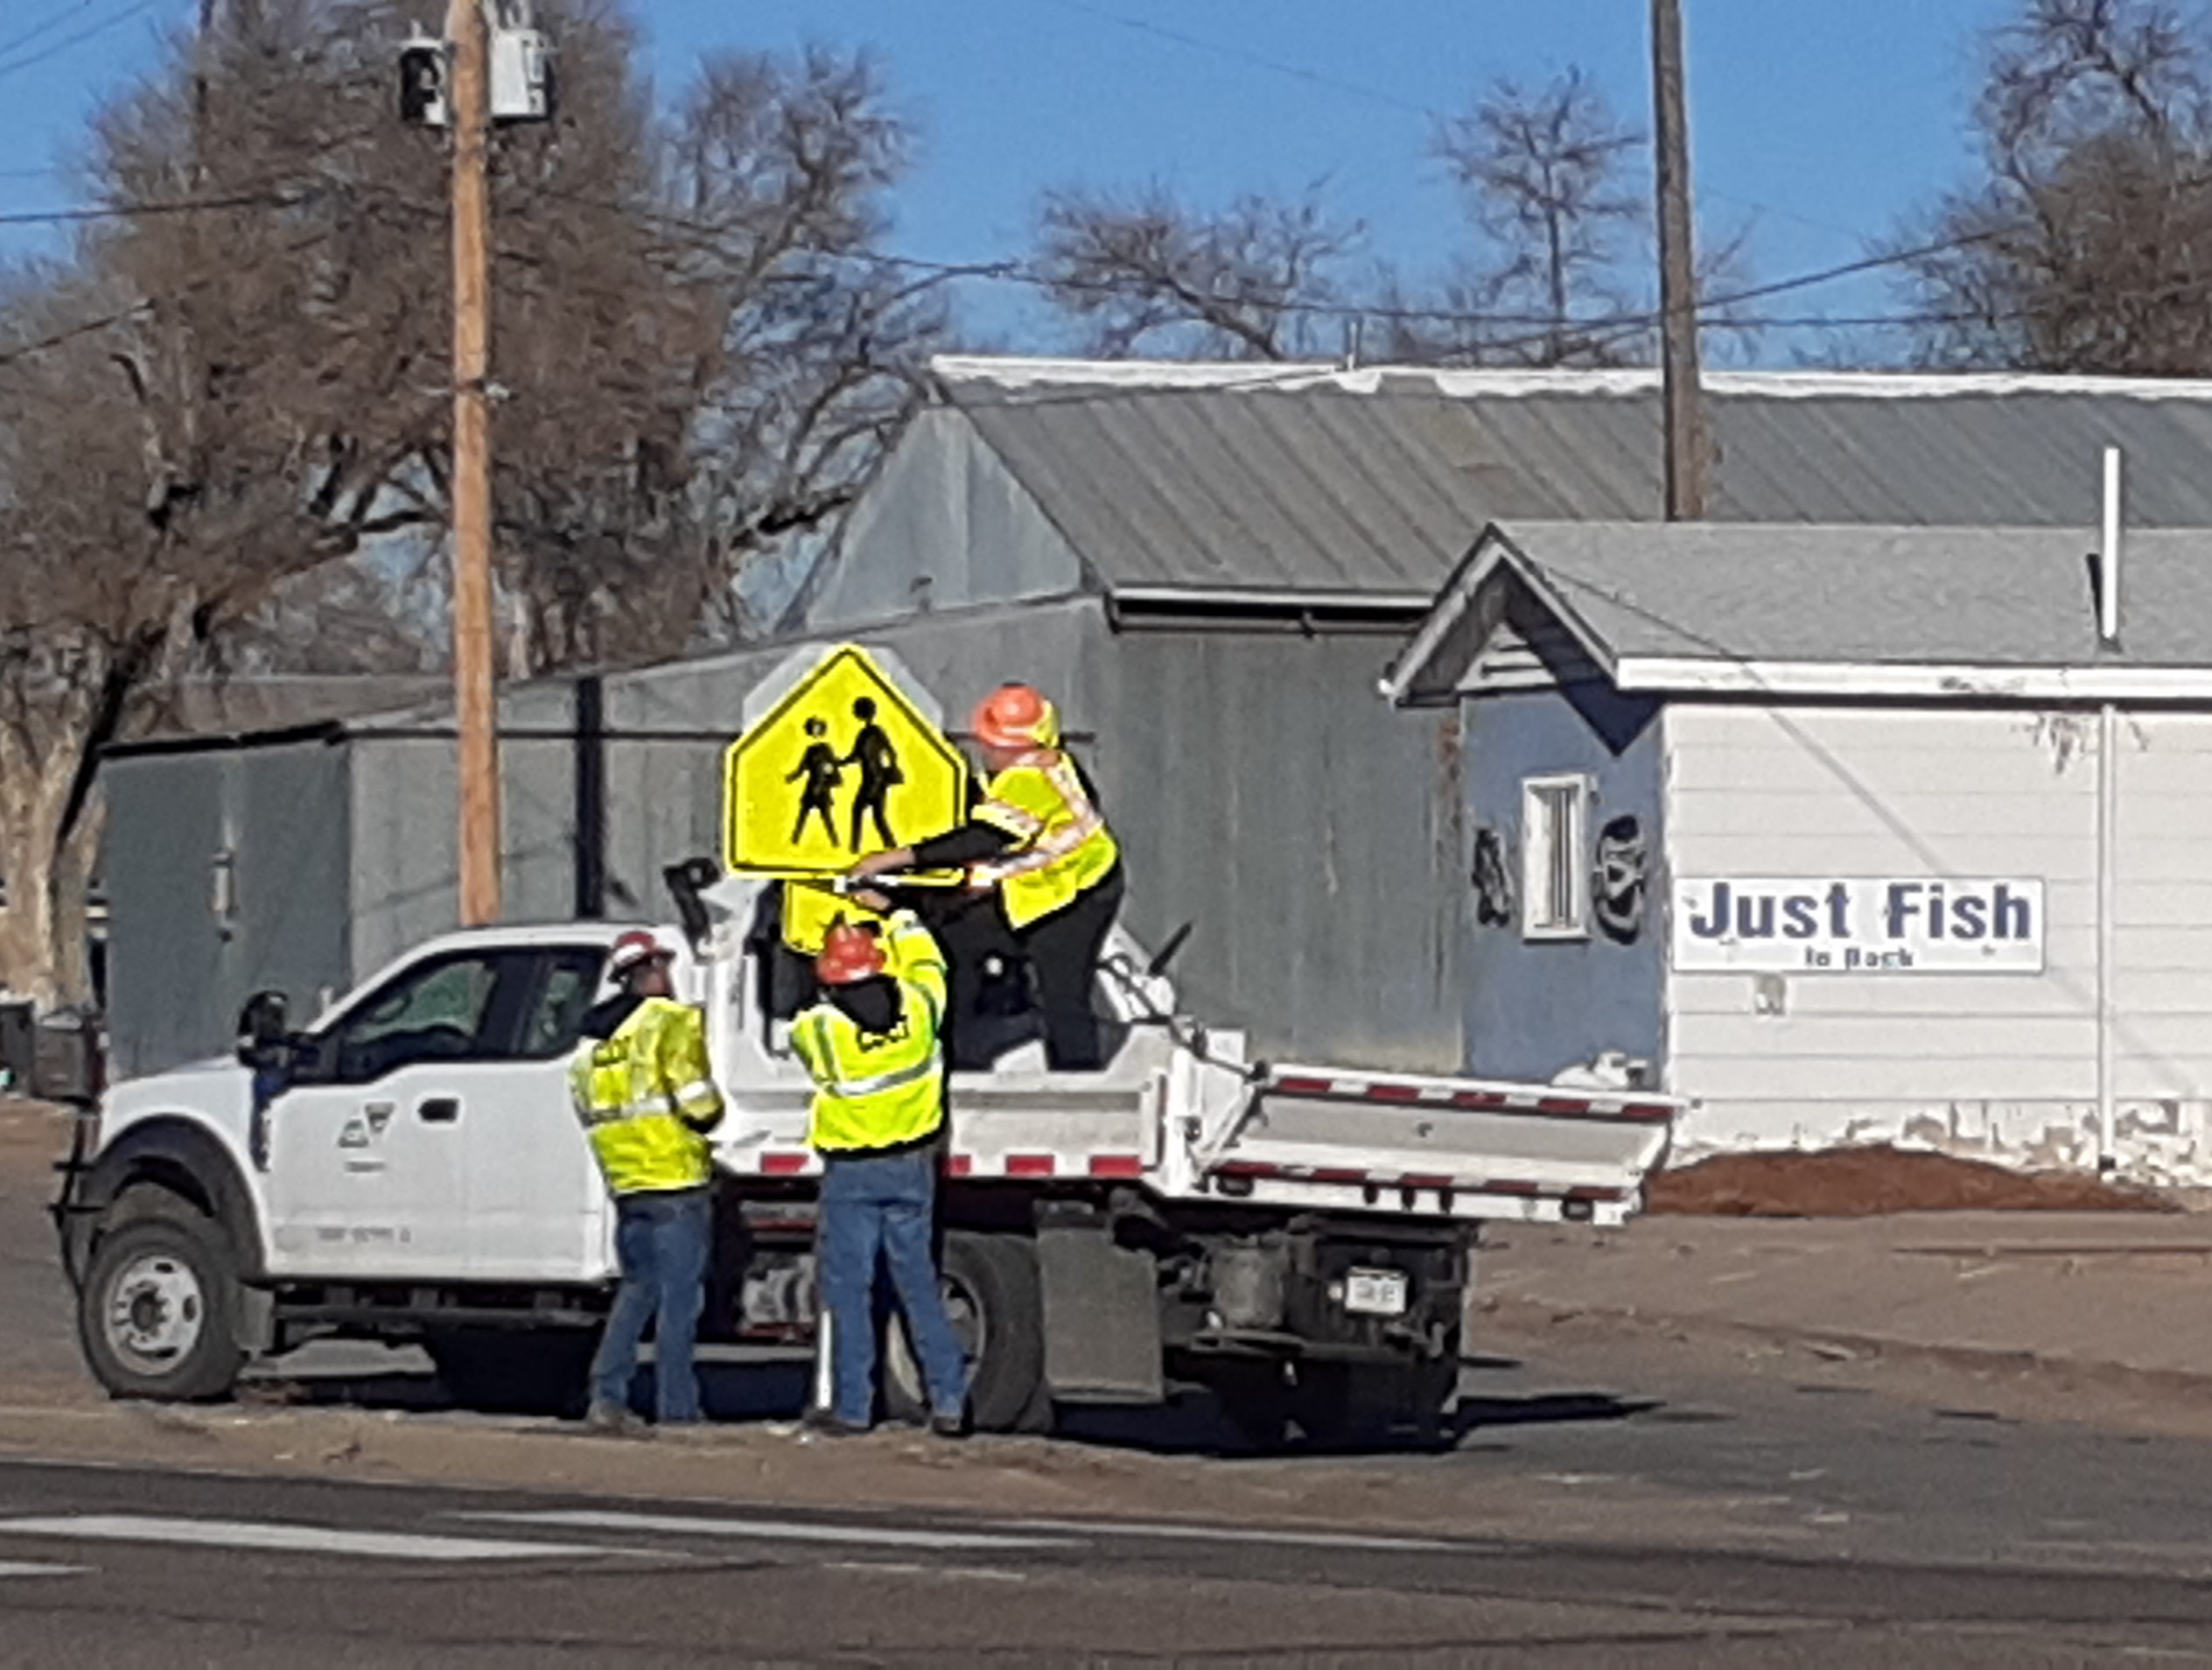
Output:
x=1869 y=1181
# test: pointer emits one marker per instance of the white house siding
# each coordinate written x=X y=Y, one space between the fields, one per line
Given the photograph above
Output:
x=1998 y=1065
x=2162 y=977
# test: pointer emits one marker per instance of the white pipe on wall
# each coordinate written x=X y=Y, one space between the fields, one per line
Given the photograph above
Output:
x=2108 y=564
x=2108 y=813
x=2107 y=818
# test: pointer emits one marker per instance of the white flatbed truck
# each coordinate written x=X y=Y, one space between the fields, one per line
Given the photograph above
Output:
x=407 y=1168
x=1298 y=1238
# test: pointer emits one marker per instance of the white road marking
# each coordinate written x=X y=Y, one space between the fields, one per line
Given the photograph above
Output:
x=288 y=1539
x=763 y=1530
x=21 y=1568
x=1212 y=1533
x=915 y=1568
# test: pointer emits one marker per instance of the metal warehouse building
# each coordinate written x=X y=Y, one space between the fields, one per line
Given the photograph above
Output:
x=1213 y=566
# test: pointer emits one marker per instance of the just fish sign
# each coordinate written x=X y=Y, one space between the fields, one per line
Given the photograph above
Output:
x=1860 y=925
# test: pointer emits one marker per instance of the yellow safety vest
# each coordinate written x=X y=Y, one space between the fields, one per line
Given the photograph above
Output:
x=647 y=1097
x=880 y=1089
x=1064 y=847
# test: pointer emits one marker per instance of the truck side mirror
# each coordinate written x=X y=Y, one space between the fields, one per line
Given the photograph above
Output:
x=261 y=1031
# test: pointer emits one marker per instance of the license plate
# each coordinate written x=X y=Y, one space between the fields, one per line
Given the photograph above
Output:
x=1374 y=1293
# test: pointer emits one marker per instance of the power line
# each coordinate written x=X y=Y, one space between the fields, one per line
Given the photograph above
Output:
x=1241 y=55
x=1361 y=90
x=1595 y=332
x=62 y=46
x=70 y=334
x=15 y=43
x=133 y=211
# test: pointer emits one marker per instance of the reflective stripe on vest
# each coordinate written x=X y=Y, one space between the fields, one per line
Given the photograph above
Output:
x=901 y=1100
x=1065 y=846
x=646 y=1138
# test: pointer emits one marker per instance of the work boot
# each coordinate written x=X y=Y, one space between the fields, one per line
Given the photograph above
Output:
x=612 y=1421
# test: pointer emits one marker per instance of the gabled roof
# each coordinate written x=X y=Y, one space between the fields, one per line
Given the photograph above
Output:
x=1306 y=482
x=1781 y=609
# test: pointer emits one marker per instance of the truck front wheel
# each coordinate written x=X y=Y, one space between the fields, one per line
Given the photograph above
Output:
x=991 y=1291
x=158 y=1314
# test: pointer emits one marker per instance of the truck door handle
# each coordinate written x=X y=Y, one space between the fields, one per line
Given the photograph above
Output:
x=439 y=1110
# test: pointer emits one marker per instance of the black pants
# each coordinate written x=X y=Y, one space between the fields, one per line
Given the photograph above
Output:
x=1062 y=951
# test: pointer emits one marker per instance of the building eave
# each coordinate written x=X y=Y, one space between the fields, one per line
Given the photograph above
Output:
x=1673 y=675
x=1495 y=552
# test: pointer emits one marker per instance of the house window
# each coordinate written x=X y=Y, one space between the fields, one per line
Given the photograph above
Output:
x=1555 y=880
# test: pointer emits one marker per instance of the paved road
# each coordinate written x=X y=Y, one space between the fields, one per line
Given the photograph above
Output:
x=1682 y=1510
x=1616 y=1497
x=127 y=1569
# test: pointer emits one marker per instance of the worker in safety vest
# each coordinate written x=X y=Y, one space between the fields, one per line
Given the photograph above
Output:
x=872 y=1046
x=647 y=1097
x=1038 y=841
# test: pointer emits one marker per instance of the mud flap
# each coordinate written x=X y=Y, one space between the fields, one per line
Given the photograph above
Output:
x=1102 y=1316
x=254 y=1327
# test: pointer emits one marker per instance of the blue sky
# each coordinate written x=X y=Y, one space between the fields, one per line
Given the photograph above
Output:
x=1818 y=125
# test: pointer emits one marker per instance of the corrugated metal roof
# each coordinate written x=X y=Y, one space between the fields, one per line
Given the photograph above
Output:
x=1307 y=480
x=1923 y=597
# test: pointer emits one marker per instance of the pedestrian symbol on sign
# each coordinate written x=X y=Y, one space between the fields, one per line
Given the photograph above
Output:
x=819 y=767
x=877 y=762
x=843 y=764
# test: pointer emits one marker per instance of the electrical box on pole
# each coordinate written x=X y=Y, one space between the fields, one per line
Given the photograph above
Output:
x=424 y=76
x=522 y=69
x=520 y=66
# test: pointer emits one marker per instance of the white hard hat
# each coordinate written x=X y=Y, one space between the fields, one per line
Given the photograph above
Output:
x=633 y=950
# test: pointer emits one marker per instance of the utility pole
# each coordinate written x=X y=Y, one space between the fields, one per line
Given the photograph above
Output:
x=474 y=701
x=1679 y=377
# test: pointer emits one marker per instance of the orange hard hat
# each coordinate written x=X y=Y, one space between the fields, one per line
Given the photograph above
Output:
x=849 y=954
x=1015 y=716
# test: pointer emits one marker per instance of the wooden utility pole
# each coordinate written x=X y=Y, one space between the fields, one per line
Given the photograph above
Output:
x=474 y=701
x=1679 y=375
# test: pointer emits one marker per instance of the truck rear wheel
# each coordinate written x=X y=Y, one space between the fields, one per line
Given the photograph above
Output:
x=157 y=1315
x=991 y=1292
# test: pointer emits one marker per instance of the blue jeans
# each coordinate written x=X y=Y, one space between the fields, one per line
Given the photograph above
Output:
x=887 y=1203
x=661 y=1240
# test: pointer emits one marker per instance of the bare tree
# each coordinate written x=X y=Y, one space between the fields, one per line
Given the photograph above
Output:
x=241 y=438
x=1543 y=172
x=2084 y=245
x=1561 y=219
x=1255 y=281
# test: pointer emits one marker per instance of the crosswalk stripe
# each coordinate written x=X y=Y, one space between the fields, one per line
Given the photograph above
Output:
x=1171 y=1532
x=288 y=1539
x=25 y=1569
x=763 y=1529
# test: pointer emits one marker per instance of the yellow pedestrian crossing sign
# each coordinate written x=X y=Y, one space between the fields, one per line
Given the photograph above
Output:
x=845 y=764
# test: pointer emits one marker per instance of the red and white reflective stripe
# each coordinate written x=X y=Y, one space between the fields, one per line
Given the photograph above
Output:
x=802 y=1163
x=1533 y=1100
x=1416 y=1181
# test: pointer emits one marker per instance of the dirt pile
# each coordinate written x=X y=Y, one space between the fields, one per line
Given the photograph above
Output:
x=1868 y=1182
